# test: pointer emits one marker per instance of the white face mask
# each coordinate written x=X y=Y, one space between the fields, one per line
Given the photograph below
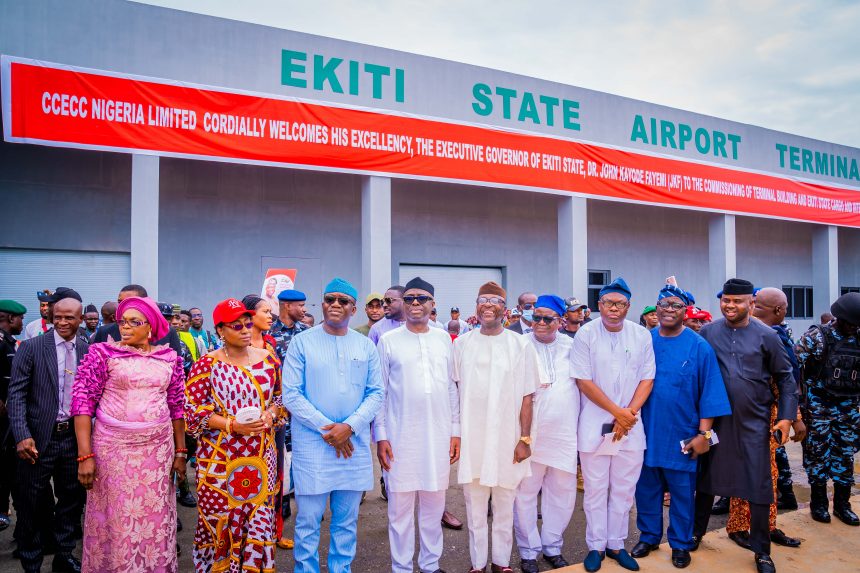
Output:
x=528 y=315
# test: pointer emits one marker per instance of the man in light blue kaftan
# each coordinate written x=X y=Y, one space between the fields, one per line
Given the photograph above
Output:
x=688 y=393
x=333 y=388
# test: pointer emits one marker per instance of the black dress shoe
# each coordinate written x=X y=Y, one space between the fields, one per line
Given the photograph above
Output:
x=779 y=537
x=642 y=549
x=680 y=558
x=186 y=499
x=65 y=563
x=528 y=566
x=556 y=561
x=721 y=507
x=178 y=524
x=742 y=538
x=382 y=489
x=764 y=564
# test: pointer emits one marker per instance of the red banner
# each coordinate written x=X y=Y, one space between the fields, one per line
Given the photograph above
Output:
x=77 y=108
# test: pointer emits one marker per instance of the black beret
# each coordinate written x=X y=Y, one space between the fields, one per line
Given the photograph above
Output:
x=847 y=308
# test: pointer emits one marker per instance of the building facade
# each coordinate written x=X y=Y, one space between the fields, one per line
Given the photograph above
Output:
x=190 y=154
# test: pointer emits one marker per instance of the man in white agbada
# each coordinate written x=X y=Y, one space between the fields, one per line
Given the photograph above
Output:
x=498 y=373
x=417 y=430
x=613 y=363
x=553 y=461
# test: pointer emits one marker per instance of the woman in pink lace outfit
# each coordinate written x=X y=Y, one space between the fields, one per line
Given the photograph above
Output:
x=127 y=460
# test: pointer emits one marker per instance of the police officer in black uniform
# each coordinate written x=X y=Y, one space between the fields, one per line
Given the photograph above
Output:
x=830 y=358
x=11 y=324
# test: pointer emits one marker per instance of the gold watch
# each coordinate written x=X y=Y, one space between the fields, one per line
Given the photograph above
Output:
x=707 y=434
x=527 y=440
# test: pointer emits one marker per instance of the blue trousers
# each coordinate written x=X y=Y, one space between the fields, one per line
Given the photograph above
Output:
x=344 y=523
x=649 y=506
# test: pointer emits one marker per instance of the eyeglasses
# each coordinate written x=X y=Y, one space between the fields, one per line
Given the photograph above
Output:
x=490 y=300
x=421 y=298
x=342 y=300
x=131 y=323
x=666 y=305
x=622 y=304
x=544 y=319
x=238 y=327
x=389 y=300
x=528 y=306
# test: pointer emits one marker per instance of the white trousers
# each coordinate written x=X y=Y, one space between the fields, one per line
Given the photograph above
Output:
x=558 y=498
x=401 y=529
x=477 y=496
x=610 y=486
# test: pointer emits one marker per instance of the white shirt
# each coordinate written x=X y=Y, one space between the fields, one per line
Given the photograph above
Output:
x=556 y=411
x=494 y=373
x=421 y=410
x=616 y=362
x=34 y=329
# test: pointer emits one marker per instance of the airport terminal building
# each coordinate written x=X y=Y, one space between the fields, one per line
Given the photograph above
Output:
x=190 y=154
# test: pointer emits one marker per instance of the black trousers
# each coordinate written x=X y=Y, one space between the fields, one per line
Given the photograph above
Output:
x=759 y=526
x=8 y=466
x=57 y=462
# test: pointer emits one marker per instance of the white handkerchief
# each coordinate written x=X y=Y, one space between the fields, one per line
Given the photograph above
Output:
x=607 y=447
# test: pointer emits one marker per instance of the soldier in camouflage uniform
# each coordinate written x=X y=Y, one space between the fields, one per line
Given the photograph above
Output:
x=832 y=407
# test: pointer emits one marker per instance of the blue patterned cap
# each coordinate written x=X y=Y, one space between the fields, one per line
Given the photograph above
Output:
x=672 y=290
x=341 y=285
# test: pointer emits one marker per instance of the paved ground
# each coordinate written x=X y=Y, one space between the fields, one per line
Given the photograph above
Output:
x=373 y=552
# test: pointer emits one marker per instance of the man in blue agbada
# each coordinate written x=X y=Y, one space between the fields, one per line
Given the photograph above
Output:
x=332 y=386
x=688 y=394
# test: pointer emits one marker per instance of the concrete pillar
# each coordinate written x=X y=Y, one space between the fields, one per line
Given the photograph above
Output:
x=825 y=268
x=375 y=234
x=722 y=251
x=144 y=222
x=573 y=248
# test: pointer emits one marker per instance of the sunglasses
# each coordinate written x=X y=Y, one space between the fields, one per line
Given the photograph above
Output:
x=666 y=305
x=196 y=315
x=421 y=298
x=238 y=327
x=490 y=300
x=389 y=300
x=131 y=323
x=341 y=300
x=544 y=319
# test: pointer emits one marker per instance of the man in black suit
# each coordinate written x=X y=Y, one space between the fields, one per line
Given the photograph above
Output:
x=526 y=306
x=39 y=406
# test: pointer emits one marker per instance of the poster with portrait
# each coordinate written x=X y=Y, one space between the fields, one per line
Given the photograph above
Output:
x=277 y=280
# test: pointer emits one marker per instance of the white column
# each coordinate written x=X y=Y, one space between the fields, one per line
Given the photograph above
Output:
x=825 y=268
x=573 y=248
x=375 y=234
x=144 y=222
x=722 y=250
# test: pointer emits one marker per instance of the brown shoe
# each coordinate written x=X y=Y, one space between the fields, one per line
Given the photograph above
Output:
x=500 y=569
x=450 y=521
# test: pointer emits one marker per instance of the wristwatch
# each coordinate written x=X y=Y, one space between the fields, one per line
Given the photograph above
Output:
x=706 y=433
x=527 y=440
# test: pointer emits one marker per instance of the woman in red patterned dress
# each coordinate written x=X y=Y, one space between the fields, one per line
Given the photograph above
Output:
x=233 y=404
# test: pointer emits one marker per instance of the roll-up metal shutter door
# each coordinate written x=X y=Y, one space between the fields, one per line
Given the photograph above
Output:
x=96 y=276
x=454 y=286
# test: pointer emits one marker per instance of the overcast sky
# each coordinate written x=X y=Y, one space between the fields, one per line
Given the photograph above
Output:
x=789 y=66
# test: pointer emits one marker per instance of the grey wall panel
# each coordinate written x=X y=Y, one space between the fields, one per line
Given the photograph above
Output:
x=644 y=245
x=849 y=257
x=219 y=221
x=442 y=224
x=64 y=198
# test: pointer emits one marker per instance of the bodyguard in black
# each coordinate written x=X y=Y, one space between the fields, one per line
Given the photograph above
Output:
x=750 y=353
x=11 y=324
x=40 y=415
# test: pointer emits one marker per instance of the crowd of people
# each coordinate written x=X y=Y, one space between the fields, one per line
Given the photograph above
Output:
x=103 y=410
